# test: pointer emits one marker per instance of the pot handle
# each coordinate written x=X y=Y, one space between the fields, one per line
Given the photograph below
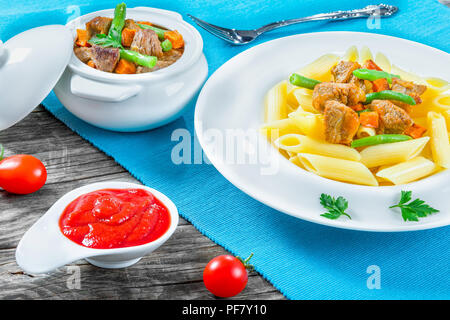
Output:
x=89 y=89
x=173 y=14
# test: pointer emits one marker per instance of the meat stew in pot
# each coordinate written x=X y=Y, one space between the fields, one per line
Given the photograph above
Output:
x=126 y=46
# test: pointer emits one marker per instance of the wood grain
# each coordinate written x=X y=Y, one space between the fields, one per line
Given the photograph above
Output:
x=174 y=271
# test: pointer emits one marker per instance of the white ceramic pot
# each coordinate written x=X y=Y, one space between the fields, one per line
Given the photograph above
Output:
x=140 y=101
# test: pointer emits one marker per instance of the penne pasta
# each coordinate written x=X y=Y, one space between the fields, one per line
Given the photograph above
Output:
x=442 y=102
x=320 y=69
x=364 y=55
x=408 y=171
x=275 y=129
x=295 y=160
x=290 y=98
x=318 y=140
x=392 y=153
x=446 y=115
x=304 y=99
x=440 y=146
x=437 y=84
x=351 y=54
x=276 y=104
x=291 y=154
x=365 y=132
x=310 y=124
x=407 y=75
x=383 y=62
x=302 y=144
x=338 y=169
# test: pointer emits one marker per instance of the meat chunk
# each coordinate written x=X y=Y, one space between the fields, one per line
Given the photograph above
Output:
x=409 y=88
x=169 y=58
x=343 y=71
x=131 y=24
x=83 y=53
x=147 y=42
x=98 y=25
x=105 y=59
x=346 y=93
x=393 y=119
x=365 y=85
x=341 y=123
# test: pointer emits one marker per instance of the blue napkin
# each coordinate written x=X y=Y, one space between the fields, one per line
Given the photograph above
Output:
x=301 y=259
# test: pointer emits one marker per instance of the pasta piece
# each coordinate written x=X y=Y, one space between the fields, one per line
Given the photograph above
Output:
x=392 y=153
x=338 y=169
x=275 y=129
x=442 y=102
x=408 y=171
x=440 y=146
x=276 y=104
x=446 y=115
x=295 y=160
x=304 y=99
x=311 y=124
x=320 y=69
x=383 y=62
x=351 y=54
x=407 y=75
x=302 y=144
x=291 y=154
x=291 y=109
x=284 y=154
x=365 y=132
x=291 y=100
x=437 y=84
x=364 y=55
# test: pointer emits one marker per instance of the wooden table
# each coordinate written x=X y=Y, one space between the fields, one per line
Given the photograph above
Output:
x=174 y=271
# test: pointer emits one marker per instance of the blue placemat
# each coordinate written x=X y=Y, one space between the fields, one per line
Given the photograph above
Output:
x=302 y=260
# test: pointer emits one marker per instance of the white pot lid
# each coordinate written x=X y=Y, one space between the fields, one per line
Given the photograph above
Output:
x=31 y=64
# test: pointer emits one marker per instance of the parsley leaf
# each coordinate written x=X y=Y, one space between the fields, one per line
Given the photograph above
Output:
x=413 y=210
x=104 y=41
x=335 y=207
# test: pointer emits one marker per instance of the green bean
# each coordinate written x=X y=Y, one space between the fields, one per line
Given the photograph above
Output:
x=140 y=59
x=166 y=45
x=362 y=111
x=389 y=95
x=379 y=139
x=372 y=75
x=115 y=31
x=301 y=81
x=159 y=32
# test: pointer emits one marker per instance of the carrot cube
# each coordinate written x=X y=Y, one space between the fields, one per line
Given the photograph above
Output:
x=125 y=67
x=127 y=36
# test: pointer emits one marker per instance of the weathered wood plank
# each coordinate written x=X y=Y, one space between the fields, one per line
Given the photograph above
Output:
x=174 y=271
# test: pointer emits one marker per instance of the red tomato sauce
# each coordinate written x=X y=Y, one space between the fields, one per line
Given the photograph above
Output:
x=114 y=218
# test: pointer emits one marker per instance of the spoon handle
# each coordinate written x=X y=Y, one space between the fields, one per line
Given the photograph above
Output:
x=381 y=10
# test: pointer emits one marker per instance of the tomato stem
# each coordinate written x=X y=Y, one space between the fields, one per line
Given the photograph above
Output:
x=2 y=152
x=245 y=262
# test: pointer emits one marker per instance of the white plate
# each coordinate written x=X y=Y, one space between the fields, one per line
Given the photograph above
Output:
x=233 y=99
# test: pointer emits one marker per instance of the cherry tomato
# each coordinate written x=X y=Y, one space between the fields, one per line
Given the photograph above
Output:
x=225 y=276
x=22 y=174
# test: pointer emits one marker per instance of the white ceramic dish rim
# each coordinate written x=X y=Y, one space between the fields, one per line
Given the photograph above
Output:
x=165 y=18
x=82 y=252
x=227 y=172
